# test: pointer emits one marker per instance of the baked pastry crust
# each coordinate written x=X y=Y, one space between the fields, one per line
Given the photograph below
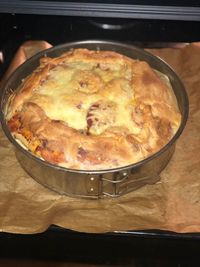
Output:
x=93 y=110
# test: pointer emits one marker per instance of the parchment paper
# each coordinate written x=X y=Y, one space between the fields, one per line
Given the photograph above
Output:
x=171 y=204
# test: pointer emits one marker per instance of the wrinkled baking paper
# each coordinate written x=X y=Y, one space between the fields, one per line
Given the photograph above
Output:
x=171 y=204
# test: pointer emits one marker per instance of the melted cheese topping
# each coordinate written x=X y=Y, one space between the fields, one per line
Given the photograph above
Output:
x=72 y=88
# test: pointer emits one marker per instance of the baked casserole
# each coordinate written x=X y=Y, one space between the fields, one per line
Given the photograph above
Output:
x=93 y=110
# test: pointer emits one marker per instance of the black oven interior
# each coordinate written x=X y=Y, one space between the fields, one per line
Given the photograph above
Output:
x=142 y=23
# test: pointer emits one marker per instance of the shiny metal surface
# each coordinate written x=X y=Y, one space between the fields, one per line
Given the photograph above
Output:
x=96 y=183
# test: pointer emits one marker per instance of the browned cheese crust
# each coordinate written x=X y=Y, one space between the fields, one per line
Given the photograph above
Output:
x=93 y=110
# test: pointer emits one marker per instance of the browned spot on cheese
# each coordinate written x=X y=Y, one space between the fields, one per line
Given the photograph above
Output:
x=148 y=78
x=135 y=144
x=163 y=128
x=52 y=156
x=100 y=116
x=14 y=123
x=93 y=157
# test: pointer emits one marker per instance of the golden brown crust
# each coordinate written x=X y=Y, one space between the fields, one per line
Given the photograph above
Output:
x=93 y=110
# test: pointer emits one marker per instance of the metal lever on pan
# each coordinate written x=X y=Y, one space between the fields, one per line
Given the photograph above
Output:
x=126 y=184
x=113 y=184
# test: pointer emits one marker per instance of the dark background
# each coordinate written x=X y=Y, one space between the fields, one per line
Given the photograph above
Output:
x=18 y=28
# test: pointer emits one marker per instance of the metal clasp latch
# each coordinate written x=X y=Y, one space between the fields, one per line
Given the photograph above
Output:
x=110 y=187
